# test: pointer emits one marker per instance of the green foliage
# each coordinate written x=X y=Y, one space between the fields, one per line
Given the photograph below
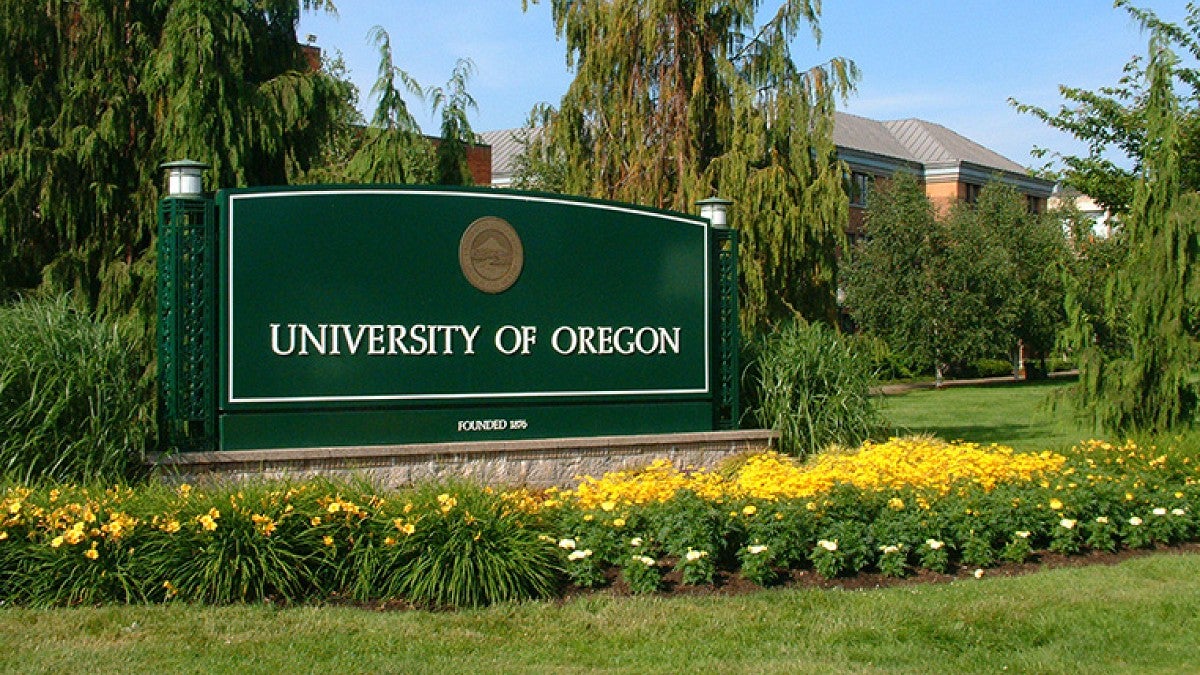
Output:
x=1144 y=378
x=391 y=149
x=641 y=573
x=472 y=550
x=893 y=561
x=814 y=388
x=757 y=563
x=674 y=103
x=103 y=93
x=454 y=103
x=945 y=291
x=697 y=567
x=73 y=395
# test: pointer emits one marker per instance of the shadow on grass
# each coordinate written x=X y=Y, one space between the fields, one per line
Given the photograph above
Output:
x=978 y=433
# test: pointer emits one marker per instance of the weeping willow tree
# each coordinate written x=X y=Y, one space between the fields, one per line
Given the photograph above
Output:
x=1146 y=379
x=676 y=101
x=94 y=95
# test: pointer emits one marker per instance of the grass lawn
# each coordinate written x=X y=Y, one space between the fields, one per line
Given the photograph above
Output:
x=1015 y=414
x=1140 y=616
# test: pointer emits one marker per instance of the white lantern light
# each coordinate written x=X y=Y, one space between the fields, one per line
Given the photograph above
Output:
x=185 y=178
x=716 y=210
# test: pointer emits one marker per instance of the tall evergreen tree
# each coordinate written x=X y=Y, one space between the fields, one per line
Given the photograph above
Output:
x=391 y=149
x=95 y=95
x=1147 y=381
x=676 y=101
x=454 y=102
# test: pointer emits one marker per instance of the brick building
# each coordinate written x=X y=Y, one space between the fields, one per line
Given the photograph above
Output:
x=949 y=165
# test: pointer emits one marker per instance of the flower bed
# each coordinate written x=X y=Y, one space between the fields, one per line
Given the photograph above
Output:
x=888 y=507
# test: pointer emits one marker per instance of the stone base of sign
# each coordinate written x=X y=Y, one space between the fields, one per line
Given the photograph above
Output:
x=532 y=463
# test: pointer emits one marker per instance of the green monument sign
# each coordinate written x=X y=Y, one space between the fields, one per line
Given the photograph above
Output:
x=389 y=315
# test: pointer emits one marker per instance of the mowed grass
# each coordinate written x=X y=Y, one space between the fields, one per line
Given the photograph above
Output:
x=1140 y=616
x=1017 y=414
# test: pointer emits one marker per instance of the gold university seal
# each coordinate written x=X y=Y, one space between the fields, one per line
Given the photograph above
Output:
x=491 y=255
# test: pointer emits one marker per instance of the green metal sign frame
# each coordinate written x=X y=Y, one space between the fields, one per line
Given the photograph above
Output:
x=320 y=316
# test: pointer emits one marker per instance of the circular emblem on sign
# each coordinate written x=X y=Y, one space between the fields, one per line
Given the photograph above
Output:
x=491 y=255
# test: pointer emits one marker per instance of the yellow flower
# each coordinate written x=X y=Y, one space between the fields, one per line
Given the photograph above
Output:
x=618 y=522
x=1056 y=504
x=3 y=535
x=389 y=541
x=315 y=521
x=749 y=509
x=896 y=504
x=328 y=540
x=91 y=553
x=56 y=542
x=608 y=505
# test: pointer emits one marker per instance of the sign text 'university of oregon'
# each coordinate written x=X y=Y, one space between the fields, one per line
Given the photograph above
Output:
x=400 y=315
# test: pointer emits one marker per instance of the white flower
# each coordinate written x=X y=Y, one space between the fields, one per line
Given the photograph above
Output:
x=934 y=544
x=1103 y=520
x=636 y=541
x=1178 y=512
x=1135 y=521
x=756 y=549
x=828 y=545
x=645 y=560
x=580 y=555
x=568 y=544
x=693 y=555
x=1067 y=523
x=889 y=549
x=979 y=573
x=1160 y=511
x=1024 y=534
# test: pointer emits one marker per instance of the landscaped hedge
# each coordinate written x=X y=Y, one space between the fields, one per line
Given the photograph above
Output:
x=888 y=507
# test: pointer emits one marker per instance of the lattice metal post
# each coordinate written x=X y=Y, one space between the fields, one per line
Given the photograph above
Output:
x=186 y=313
x=726 y=398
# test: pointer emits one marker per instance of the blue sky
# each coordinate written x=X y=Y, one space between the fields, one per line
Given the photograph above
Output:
x=953 y=62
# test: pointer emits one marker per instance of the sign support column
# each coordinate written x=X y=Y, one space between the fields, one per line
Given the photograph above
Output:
x=726 y=401
x=186 y=311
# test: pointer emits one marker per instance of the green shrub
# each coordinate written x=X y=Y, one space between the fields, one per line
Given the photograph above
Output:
x=474 y=550
x=813 y=387
x=74 y=404
x=236 y=544
x=885 y=363
x=990 y=368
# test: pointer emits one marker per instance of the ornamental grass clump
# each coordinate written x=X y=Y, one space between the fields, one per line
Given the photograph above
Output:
x=813 y=387
x=474 y=549
x=75 y=402
x=228 y=544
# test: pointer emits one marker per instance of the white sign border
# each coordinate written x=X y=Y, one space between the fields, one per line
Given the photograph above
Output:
x=371 y=398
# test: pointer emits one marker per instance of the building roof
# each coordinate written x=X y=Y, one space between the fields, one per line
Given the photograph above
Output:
x=506 y=146
x=924 y=148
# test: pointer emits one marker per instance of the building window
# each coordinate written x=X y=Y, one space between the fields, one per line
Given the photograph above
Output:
x=859 y=187
x=971 y=192
x=1034 y=204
